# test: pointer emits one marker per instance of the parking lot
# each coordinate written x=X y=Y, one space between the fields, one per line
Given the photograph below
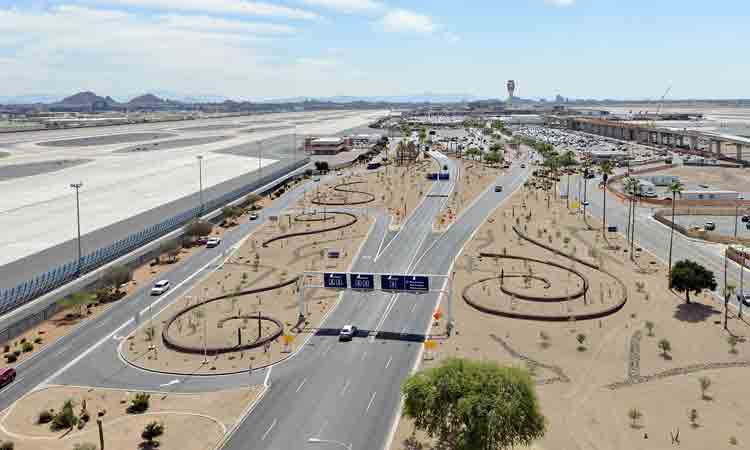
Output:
x=724 y=224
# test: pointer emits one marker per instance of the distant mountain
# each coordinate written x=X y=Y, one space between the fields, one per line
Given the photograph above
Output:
x=188 y=98
x=146 y=100
x=86 y=100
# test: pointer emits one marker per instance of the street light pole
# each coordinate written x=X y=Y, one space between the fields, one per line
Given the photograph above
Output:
x=77 y=187
x=200 y=182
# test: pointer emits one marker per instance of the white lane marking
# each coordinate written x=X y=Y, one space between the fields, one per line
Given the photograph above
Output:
x=413 y=306
x=371 y=400
x=170 y=383
x=300 y=385
x=268 y=376
x=346 y=386
x=125 y=324
x=327 y=349
x=388 y=363
x=273 y=424
x=320 y=432
x=364 y=355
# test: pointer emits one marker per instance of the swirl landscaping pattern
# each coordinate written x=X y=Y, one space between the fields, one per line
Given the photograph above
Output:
x=322 y=230
x=528 y=296
x=340 y=188
x=172 y=344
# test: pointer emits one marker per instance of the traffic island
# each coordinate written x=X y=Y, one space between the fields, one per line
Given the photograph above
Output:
x=591 y=372
x=244 y=315
x=61 y=417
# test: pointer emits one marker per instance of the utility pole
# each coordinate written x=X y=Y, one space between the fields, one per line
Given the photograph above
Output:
x=260 y=159
x=77 y=187
x=101 y=434
x=200 y=182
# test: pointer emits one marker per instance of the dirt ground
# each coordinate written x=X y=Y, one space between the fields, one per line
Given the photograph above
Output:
x=396 y=189
x=232 y=319
x=586 y=390
x=181 y=414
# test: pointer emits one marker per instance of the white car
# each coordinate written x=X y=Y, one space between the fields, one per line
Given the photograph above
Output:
x=213 y=242
x=160 y=287
x=253 y=216
x=347 y=333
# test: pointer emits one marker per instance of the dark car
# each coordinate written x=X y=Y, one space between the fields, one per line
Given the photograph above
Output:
x=7 y=375
x=746 y=218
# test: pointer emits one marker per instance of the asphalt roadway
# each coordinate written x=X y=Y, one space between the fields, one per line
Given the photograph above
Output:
x=654 y=236
x=330 y=390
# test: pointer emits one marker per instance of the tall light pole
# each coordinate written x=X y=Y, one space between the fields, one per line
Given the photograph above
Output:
x=200 y=182
x=77 y=187
x=260 y=159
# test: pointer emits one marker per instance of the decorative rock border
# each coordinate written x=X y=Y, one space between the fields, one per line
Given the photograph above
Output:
x=339 y=188
x=678 y=371
x=211 y=351
x=323 y=230
x=561 y=377
x=300 y=218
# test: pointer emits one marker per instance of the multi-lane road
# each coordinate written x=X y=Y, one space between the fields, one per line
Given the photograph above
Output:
x=341 y=391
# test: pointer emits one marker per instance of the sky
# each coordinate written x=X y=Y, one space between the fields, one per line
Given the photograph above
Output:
x=250 y=50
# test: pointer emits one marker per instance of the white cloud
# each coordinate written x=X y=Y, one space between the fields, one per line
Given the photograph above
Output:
x=216 y=7
x=401 y=20
x=346 y=5
x=562 y=3
x=206 y=23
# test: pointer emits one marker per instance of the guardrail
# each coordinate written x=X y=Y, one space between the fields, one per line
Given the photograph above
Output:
x=65 y=273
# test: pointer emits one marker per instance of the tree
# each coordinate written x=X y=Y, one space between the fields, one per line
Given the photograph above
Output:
x=197 y=228
x=252 y=199
x=115 y=277
x=322 y=166
x=729 y=290
x=139 y=403
x=467 y=405
x=688 y=276
x=76 y=299
x=634 y=415
x=650 y=327
x=665 y=346
x=581 y=338
x=65 y=418
x=704 y=383
x=151 y=431
x=732 y=340
x=675 y=188
x=606 y=169
x=633 y=188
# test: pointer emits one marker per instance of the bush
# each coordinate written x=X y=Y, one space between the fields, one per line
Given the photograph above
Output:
x=6 y=348
x=151 y=431
x=7 y=445
x=139 y=403
x=11 y=357
x=44 y=417
x=85 y=446
x=38 y=340
x=198 y=228
x=66 y=418
x=116 y=276
x=16 y=353
x=27 y=347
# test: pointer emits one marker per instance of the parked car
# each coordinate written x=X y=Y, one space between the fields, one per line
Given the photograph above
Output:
x=744 y=298
x=523 y=166
x=498 y=189
x=7 y=375
x=160 y=287
x=709 y=226
x=347 y=333
x=746 y=219
x=213 y=242
x=202 y=240
x=253 y=216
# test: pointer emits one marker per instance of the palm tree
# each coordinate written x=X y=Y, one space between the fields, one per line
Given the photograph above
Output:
x=632 y=187
x=606 y=169
x=675 y=188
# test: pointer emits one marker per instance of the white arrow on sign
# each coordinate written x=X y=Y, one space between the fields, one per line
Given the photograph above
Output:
x=175 y=381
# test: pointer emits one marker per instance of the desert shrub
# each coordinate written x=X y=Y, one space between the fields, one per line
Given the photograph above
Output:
x=27 y=347
x=38 y=340
x=7 y=445
x=6 y=348
x=139 y=403
x=11 y=357
x=16 y=353
x=44 y=417
x=85 y=446
x=66 y=418
x=151 y=431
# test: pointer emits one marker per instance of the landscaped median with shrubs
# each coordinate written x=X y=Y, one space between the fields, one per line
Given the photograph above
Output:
x=65 y=418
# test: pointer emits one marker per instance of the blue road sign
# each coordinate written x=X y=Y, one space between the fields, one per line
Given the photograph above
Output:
x=417 y=283
x=361 y=281
x=334 y=280
x=392 y=282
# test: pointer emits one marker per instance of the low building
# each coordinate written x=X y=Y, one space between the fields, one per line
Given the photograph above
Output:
x=325 y=145
x=709 y=195
x=364 y=140
x=599 y=156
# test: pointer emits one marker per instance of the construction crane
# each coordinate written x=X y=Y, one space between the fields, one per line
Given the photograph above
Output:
x=651 y=122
